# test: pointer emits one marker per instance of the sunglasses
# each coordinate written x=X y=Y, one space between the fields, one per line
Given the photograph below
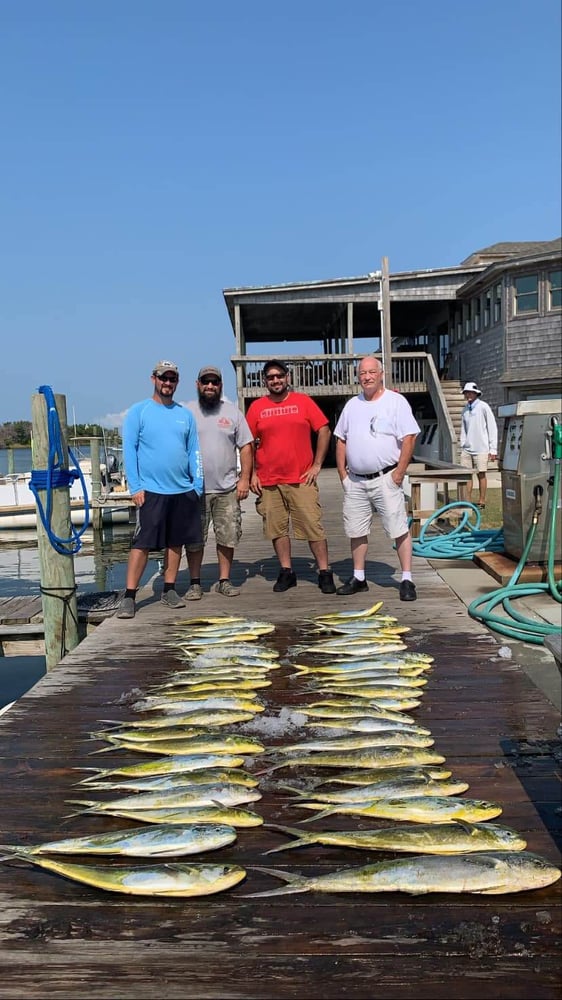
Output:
x=279 y=375
x=209 y=380
x=167 y=378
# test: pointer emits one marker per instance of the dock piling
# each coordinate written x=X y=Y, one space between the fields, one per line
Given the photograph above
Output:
x=58 y=583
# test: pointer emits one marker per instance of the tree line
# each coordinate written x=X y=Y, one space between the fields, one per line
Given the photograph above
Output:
x=17 y=433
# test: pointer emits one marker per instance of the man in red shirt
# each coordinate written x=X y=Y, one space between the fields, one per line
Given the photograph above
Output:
x=286 y=470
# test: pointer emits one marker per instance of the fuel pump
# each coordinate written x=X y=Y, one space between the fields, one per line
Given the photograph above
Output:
x=531 y=448
x=531 y=469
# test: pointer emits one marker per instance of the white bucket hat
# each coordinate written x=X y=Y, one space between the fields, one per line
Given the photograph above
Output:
x=472 y=387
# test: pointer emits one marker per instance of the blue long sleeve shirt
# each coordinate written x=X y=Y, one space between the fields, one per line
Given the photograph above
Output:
x=161 y=449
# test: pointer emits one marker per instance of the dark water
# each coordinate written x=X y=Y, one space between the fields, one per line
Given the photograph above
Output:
x=101 y=565
x=21 y=460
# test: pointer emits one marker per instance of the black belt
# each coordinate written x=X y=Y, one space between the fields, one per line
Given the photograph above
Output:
x=375 y=475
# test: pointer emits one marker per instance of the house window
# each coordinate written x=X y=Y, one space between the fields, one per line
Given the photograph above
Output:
x=476 y=306
x=488 y=308
x=467 y=320
x=527 y=293
x=555 y=289
x=497 y=303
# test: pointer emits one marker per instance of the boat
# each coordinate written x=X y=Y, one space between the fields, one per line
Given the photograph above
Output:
x=18 y=509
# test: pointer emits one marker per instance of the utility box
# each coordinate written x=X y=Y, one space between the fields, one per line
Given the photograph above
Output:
x=531 y=430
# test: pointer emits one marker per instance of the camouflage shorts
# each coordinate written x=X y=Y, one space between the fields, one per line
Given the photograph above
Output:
x=222 y=510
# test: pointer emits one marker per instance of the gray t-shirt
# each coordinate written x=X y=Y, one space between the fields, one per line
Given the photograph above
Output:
x=221 y=432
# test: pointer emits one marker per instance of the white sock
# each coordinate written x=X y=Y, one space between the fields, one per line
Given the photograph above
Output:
x=406 y=576
x=359 y=574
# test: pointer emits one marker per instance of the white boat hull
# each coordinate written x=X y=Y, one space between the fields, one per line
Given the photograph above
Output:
x=27 y=518
x=18 y=510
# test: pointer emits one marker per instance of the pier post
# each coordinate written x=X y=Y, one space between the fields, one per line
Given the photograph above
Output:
x=10 y=461
x=386 y=339
x=95 y=512
x=58 y=584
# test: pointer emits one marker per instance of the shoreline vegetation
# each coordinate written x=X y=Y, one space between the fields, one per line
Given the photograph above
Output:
x=17 y=434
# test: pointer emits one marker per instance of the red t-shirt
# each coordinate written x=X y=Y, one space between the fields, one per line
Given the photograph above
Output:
x=283 y=430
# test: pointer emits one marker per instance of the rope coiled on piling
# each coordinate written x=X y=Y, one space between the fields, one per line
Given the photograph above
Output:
x=56 y=476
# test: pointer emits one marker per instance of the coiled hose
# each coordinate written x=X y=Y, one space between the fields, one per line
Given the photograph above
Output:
x=520 y=627
x=459 y=543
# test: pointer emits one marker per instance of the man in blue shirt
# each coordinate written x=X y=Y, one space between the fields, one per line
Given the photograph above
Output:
x=165 y=476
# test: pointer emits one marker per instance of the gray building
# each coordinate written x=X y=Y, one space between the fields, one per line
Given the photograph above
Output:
x=495 y=318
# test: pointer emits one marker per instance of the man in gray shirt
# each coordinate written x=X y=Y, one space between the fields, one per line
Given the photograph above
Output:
x=223 y=435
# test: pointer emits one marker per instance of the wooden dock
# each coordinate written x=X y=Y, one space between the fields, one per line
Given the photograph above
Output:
x=494 y=727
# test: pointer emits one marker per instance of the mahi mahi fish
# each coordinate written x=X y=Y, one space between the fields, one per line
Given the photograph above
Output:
x=153 y=783
x=173 y=764
x=485 y=873
x=156 y=841
x=376 y=757
x=150 y=880
x=221 y=743
x=386 y=738
x=174 y=798
x=228 y=815
x=457 y=837
x=418 y=809
x=392 y=788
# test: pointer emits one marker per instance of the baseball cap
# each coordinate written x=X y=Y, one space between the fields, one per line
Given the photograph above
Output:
x=209 y=370
x=274 y=363
x=472 y=387
x=165 y=366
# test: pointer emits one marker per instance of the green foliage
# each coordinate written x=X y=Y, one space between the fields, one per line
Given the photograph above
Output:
x=16 y=434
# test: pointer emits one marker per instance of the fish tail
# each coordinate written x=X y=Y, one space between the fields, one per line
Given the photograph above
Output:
x=320 y=815
x=296 y=883
x=268 y=770
x=289 y=788
x=10 y=851
x=303 y=839
x=79 y=802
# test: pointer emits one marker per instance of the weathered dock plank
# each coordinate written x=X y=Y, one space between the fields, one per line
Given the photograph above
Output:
x=493 y=726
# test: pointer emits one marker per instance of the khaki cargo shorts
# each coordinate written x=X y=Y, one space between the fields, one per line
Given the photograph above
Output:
x=296 y=503
x=223 y=511
x=478 y=462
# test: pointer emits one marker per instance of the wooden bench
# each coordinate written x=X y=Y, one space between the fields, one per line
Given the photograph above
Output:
x=448 y=475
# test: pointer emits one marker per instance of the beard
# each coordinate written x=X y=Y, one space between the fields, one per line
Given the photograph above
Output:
x=208 y=404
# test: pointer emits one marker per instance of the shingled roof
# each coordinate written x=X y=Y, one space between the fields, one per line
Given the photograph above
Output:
x=503 y=251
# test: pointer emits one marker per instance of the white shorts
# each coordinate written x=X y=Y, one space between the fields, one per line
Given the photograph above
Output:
x=363 y=497
x=478 y=462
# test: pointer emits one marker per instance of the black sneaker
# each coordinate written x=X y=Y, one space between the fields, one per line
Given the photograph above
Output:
x=326 y=581
x=285 y=581
x=353 y=586
x=407 y=591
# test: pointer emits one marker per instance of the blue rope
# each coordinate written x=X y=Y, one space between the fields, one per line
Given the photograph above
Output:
x=459 y=543
x=57 y=477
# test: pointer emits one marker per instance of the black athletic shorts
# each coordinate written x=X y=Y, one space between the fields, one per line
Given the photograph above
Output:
x=168 y=521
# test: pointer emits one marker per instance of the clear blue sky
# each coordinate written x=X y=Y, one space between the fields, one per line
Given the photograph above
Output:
x=155 y=152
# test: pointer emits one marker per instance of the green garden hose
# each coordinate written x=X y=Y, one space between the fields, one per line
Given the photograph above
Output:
x=463 y=541
x=520 y=627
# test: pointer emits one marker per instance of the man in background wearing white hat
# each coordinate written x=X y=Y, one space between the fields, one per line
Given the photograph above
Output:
x=479 y=439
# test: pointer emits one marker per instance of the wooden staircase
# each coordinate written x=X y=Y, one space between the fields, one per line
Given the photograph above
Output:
x=455 y=401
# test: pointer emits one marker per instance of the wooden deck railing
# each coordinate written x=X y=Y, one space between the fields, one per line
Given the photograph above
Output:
x=327 y=374
x=334 y=375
